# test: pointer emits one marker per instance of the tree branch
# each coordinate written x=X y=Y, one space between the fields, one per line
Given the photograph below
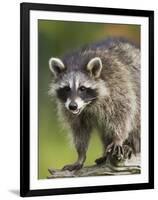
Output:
x=131 y=166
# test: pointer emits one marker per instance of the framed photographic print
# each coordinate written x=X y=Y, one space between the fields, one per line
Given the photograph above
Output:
x=87 y=99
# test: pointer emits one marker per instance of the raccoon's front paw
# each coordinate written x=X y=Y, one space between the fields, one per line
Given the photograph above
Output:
x=116 y=151
x=127 y=151
x=100 y=160
x=75 y=166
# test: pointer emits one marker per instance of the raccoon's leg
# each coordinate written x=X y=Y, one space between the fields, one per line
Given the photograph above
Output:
x=120 y=127
x=112 y=147
x=81 y=135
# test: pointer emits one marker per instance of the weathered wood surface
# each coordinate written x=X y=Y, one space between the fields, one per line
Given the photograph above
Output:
x=128 y=167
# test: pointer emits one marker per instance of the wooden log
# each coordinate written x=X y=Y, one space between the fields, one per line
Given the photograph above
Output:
x=131 y=166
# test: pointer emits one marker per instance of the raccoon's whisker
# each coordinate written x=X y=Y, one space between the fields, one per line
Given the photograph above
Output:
x=92 y=99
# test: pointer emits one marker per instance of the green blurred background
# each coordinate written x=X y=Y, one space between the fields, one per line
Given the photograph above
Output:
x=54 y=39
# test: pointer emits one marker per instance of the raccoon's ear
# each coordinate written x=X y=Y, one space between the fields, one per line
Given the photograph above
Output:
x=95 y=66
x=56 y=66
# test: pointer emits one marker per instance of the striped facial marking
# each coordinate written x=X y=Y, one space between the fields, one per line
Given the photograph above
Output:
x=76 y=91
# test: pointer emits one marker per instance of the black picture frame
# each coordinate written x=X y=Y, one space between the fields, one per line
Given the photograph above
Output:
x=25 y=9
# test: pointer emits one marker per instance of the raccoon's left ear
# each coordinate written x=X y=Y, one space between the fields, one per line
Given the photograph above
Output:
x=95 y=66
x=56 y=66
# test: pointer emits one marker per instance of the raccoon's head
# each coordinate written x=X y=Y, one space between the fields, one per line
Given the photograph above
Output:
x=77 y=88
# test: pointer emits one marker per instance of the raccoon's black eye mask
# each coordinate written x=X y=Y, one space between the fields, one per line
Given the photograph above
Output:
x=66 y=88
x=82 y=88
x=63 y=93
x=86 y=93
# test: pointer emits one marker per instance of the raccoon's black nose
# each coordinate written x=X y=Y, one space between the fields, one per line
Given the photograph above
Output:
x=73 y=106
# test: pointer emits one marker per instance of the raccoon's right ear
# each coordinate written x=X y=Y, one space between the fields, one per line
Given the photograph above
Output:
x=56 y=66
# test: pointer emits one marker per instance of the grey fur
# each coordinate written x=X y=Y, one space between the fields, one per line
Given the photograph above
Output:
x=116 y=110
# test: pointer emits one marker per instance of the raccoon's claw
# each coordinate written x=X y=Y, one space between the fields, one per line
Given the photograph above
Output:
x=75 y=166
x=116 y=151
x=127 y=151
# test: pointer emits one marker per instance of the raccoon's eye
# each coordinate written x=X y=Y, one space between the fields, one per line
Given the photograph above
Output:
x=67 y=88
x=82 y=88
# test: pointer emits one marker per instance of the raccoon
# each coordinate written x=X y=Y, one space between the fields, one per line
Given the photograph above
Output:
x=98 y=86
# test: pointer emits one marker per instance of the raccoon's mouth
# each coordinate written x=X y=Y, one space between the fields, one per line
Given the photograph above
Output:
x=76 y=112
x=79 y=110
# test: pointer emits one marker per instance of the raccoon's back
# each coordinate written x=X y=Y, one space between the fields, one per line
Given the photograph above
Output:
x=117 y=49
x=108 y=50
x=121 y=58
